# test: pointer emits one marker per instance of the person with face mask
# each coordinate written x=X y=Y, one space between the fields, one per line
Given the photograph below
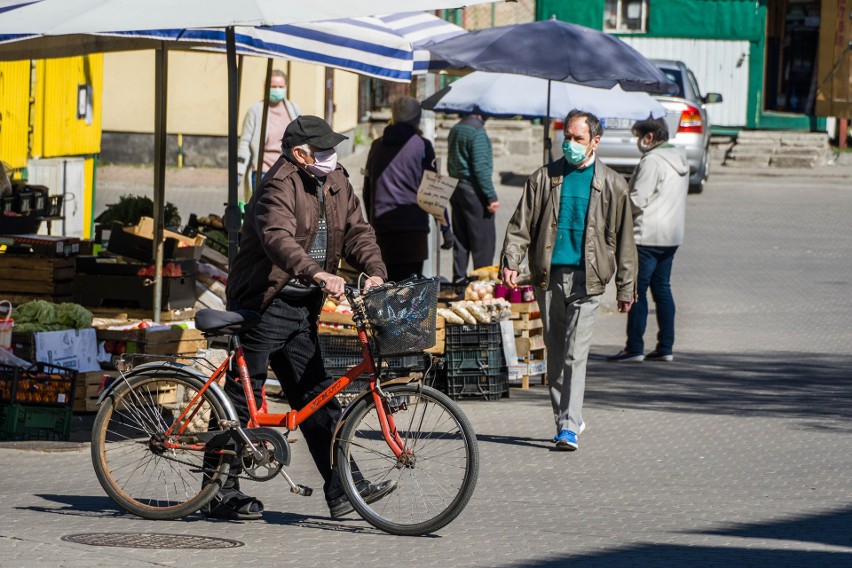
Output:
x=574 y=225
x=281 y=112
x=658 y=191
x=303 y=218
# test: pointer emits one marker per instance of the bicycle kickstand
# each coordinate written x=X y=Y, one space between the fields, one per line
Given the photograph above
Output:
x=297 y=488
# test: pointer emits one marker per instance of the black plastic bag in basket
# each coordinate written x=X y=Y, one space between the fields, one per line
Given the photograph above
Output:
x=403 y=316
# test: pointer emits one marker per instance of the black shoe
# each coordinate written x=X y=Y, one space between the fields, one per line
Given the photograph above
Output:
x=657 y=356
x=371 y=493
x=625 y=356
x=233 y=505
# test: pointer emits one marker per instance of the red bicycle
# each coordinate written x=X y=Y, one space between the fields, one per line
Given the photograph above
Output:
x=158 y=421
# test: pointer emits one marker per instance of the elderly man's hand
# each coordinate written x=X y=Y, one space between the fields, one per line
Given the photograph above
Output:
x=331 y=284
x=624 y=307
x=510 y=277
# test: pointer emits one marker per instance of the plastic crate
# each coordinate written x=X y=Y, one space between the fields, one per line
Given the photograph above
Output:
x=345 y=351
x=53 y=207
x=487 y=385
x=468 y=336
x=20 y=422
x=339 y=345
x=40 y=385
x=7 y=204
x=474 y=360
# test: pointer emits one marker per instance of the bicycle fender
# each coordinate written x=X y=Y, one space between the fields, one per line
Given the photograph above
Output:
x=348 y=410
x=182 y=369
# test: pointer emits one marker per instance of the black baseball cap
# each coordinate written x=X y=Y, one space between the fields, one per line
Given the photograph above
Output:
x=313 y=130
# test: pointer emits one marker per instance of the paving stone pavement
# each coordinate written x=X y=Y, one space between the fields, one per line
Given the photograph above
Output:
x=736 y=454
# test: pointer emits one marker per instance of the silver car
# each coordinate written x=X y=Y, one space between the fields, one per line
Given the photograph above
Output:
x=687 y=121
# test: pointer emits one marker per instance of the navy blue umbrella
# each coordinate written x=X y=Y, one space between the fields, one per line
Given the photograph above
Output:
x=558 y=51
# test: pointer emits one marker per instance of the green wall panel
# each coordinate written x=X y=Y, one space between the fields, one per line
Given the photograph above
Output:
x=716 y=19
x=587 y=13
x=707 y=19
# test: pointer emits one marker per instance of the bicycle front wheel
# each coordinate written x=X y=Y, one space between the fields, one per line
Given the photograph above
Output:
x=132 y=463
x=434 y=478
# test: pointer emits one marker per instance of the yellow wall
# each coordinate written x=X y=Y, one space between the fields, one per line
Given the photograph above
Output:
x=57 y=130
x=14 y=111
x=198 y=92
x=345 y=100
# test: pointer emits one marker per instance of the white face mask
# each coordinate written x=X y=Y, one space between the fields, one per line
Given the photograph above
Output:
x=325 y=163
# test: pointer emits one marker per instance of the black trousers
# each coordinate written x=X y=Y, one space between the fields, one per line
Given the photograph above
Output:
x=286 y=340
x=474 y=228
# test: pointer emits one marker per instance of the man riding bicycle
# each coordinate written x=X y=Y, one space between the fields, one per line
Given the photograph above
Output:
x=303 y=217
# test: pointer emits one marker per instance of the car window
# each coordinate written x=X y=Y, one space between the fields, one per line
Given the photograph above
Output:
x=694 y=84
x=676 y=77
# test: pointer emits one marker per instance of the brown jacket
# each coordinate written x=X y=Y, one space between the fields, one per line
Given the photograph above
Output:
x=280 y=225
x=609 y=247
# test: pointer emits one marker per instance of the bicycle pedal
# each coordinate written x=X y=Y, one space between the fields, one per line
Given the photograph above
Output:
x=302 y=490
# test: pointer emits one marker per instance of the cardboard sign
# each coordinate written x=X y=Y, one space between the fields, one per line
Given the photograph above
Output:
x=434 y=194
x=72 y=348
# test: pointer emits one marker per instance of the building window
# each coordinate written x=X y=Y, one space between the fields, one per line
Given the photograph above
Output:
x=626 y=16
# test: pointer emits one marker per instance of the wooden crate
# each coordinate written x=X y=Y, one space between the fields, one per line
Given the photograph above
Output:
x=530 y=367
x=88 y=390
x=26 y=277
x=156 y=341
x=126 y=315
x=527 y=328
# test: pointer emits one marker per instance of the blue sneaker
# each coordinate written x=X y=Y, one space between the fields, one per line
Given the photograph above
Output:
x=582 y=428
x=567 y=440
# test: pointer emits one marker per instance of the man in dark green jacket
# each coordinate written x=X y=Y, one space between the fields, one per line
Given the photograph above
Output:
x=474 y=201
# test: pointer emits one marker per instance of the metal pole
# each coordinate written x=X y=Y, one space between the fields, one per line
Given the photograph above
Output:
x=161 y=77
x=232 y=211
x=547 y=128
x=259 y=170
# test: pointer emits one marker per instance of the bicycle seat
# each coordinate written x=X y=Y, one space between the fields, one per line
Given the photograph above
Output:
x=217 y=322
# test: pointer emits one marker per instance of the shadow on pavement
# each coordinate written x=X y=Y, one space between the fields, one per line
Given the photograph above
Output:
x=790 y=385
x=79 y=506
x=515 y=441
x=832 y=528
x=681 y=555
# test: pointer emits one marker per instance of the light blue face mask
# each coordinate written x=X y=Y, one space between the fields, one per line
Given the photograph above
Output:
x=277 y=94
x=575 y=153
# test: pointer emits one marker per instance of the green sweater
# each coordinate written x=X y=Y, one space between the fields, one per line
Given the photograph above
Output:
x=573 y=207
x=469 y=156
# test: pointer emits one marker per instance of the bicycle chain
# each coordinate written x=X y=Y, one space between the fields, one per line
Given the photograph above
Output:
x=205 y=470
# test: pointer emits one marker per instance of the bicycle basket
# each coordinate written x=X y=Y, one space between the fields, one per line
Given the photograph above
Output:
x=402 y=316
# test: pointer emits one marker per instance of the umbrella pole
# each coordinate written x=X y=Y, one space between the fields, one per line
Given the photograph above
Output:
x=546 y=121
x=161 y=76
x=259 y=170
x=232 y=210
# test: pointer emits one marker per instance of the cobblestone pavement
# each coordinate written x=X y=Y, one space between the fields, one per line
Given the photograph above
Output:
x=736 y=454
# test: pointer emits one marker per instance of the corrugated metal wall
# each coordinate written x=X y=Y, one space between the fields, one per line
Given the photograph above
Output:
x=14 y=112
x=58 y=131
x=720 y=66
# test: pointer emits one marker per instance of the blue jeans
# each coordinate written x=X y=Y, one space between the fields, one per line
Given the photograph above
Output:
x=655 y=270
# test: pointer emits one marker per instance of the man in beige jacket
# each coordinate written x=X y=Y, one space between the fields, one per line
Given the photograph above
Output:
x=574 y=222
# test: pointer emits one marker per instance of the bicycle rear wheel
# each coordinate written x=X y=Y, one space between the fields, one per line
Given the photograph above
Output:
x=132 y=464
x=437 y=474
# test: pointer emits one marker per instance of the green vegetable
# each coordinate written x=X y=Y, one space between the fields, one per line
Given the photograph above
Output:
x=40 y=315
x=131 y=208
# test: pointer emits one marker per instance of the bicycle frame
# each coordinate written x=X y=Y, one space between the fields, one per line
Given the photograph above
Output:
x=291 y=420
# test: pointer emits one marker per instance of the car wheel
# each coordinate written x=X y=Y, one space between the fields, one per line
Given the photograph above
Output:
x=701 y=174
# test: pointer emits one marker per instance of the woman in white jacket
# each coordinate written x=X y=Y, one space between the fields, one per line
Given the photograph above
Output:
x=281 y=113
x=658 y=191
